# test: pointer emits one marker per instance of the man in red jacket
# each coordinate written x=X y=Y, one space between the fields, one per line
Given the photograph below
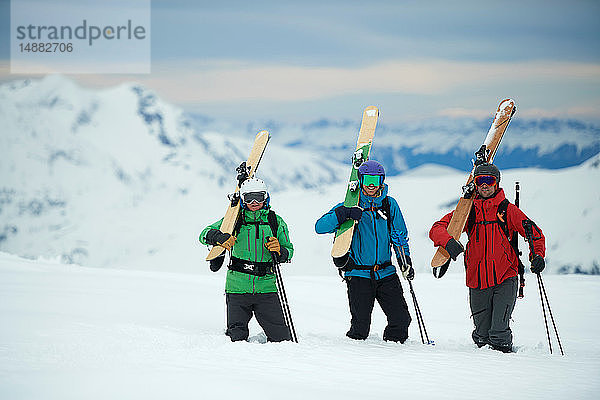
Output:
x=491 y=262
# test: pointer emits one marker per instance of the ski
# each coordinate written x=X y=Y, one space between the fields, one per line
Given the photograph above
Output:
x=245 y=170
x=486 y=153
x=343 y=236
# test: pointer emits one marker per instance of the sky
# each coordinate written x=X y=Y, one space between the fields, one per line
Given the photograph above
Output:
x=307 y=60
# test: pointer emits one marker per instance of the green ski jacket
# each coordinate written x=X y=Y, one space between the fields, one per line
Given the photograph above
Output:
x=250 y=246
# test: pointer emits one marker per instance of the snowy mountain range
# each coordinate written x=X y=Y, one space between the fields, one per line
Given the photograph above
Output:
x=544 y=143
x=118 y=177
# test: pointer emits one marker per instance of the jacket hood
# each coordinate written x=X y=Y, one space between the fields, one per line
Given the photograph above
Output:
x=496 y=198
x=368 y=201
x=258 y=215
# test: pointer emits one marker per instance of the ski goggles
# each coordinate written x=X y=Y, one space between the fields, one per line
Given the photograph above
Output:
x=368 y=180
x=489 y=180
x=254 y=197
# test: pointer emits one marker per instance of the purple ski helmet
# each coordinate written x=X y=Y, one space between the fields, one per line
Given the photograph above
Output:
x=371 y=167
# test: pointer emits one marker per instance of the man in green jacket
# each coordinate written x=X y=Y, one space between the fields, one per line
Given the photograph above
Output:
x=250 y=287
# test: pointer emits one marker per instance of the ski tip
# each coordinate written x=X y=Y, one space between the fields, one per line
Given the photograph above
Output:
x=371 y=111
x=504 y=104
x=263 y=133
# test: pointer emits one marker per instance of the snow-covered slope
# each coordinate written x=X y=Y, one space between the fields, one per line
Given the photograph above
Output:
x=564 y=203
x=112 y=176
x=73 y=332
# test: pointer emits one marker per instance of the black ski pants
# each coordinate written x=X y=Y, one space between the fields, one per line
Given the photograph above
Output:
x=491 y=310
x=265 y=307
x=362 y=293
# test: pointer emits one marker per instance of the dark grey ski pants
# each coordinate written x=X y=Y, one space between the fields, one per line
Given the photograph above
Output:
x=265 y=307
x=491 y=310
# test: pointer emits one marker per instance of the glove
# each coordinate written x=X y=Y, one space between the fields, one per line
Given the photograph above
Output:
x=272 y=244
x=218 y=238
x=454 y=248
x=537 y=264
x=217 y=263
x=408 y=272
x=343 y=213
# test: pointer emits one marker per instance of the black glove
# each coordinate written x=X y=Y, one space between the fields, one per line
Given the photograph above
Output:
x=343 y=213
x=408 y=272
x=216 y=237
x=454 y=248
x=342 y=262
x=216 y=263
x=537 y=264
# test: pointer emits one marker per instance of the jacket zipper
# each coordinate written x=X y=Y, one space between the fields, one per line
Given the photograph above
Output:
x=254 y=278
x=485 y=241
x=492 y=251
x=375 y=231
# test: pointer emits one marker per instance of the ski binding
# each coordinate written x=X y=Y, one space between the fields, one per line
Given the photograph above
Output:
x=234 y=198
x=357 y=158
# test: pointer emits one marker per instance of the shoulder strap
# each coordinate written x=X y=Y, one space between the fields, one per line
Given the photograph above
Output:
x=238 y=224
x=471 y=219
x=503 y=223
x=385 y=208
x=502 y=207
x=272 y=218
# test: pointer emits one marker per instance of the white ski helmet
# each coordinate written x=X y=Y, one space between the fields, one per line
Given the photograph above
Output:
x=254 y=189
x=253 y=185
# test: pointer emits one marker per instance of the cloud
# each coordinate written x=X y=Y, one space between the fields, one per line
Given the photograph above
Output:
x=449 y=88
x=227 y=80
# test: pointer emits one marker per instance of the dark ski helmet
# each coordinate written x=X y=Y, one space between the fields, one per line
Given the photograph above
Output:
x=487 y=169
x=371 y=167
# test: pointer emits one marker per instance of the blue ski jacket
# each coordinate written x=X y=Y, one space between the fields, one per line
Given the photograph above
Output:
x=371 y=243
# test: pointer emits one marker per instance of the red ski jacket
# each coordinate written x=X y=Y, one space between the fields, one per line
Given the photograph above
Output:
x=489 y=257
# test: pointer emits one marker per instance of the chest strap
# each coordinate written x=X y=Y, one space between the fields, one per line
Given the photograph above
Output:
x=255 y=268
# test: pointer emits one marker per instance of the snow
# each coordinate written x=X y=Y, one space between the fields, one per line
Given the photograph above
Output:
x=118 y=181
x=71 y=332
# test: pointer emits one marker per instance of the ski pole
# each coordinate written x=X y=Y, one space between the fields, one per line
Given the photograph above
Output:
x=542 y=290
x=285 y=305
x=541 y=282
x=515 y=243
x=418 y=313
x=544 y=312
x=420 y=320
x=287 y=315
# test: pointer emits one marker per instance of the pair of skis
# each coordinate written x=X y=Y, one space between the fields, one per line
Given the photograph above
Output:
x=246 y=171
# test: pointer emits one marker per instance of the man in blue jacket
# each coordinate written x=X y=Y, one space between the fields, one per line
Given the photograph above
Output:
x=368 y=270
